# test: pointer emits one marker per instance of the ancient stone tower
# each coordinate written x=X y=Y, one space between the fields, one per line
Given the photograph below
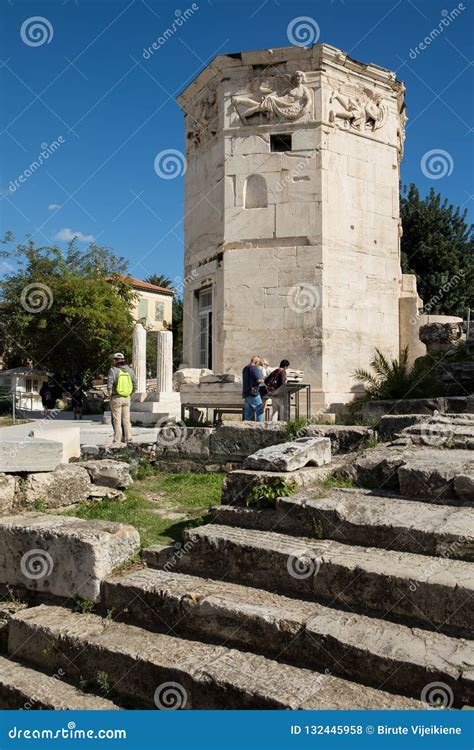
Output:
x=292 y=214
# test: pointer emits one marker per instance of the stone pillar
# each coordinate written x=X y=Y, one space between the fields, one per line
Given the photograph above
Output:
x=164 y=362
x=139 y=356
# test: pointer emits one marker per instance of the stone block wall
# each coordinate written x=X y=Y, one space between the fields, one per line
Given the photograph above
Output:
x=300 y=246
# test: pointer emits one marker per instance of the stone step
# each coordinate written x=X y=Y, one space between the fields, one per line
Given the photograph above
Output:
x=150 y=670
x=443 y=431
x=398 y=585
x=62 y=555
x=147 y=418
x=240 y=483
x=23 y=688
x=357 y=517
x=372 y=651
x=433 y=475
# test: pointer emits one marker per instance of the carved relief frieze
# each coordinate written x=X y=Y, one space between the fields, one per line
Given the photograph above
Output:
x=356 y=107
x=275 y=98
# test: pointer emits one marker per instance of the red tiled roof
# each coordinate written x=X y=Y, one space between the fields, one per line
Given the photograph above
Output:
x=137 y=283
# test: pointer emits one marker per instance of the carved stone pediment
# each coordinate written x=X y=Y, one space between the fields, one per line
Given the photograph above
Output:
x=277 y=98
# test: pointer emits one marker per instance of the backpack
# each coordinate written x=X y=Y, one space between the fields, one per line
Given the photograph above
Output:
x=271 y=381
x=124 y=385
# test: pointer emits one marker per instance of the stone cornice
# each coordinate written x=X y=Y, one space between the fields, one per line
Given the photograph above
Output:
x=315 y=59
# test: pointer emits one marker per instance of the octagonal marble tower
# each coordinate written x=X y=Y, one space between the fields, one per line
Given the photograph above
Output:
x=292 y=214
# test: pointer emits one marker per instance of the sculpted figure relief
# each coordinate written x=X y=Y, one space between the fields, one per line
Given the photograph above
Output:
x=401 y=130
x=202 y=122
x=290 y=104
x=361 y=109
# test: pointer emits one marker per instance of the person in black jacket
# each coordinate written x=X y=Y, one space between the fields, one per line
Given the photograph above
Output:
x=274 y=381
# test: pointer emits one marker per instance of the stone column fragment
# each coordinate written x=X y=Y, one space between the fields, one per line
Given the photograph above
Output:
x=164 y=362
x=139 y=356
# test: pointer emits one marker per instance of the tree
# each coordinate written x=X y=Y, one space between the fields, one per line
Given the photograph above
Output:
x=65 y=312
x=177 y=328
x=438 y=247
x=159 y=279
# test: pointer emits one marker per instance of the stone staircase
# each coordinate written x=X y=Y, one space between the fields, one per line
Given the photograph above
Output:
x=283 y=608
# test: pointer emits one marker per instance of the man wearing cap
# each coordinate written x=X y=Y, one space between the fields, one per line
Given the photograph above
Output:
x=119 y=404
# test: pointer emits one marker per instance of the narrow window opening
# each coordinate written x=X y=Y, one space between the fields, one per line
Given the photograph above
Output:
x=280 y=142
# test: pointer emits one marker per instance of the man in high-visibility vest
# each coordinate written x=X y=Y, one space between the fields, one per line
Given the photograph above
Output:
x=121 y=383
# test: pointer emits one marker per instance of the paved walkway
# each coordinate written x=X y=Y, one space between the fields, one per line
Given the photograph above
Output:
x=93 y=431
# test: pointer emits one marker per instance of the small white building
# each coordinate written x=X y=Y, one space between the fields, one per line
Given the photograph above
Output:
x=25 y=382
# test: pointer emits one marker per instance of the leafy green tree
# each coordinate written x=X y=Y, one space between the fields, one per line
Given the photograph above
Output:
x=65 y=312
x=177 y=328
x=159 y=279
x=151 y=354
x=438 y=247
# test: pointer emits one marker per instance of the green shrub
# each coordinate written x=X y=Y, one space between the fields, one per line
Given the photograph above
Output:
x=143 y=469
x=84 y=606
x=293 y=427
x=265 y=495
x=394 y=379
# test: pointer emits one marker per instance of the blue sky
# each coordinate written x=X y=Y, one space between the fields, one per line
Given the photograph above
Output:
x=89 y=88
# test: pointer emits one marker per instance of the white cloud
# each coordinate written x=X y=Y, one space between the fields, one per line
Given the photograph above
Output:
x=67 y=235
x=52 y=206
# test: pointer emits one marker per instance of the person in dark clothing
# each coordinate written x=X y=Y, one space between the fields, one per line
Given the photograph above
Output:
x=251 y=381
x=77 y=399
x=47 y=397
x=275 y=380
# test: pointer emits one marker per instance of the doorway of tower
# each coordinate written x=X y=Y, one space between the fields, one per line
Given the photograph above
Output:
x=205 y=327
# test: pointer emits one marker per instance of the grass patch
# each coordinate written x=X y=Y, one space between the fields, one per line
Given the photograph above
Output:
x=337 y=482
x=7 y=421
x=186 y=493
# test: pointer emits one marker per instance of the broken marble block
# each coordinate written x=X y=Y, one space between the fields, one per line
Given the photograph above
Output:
x=68 y=484
x=62 y=555
x=107 y=472
x=304 y=451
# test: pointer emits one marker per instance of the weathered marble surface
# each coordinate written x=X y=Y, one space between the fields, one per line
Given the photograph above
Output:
x=62 y=555
x=304 y=451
